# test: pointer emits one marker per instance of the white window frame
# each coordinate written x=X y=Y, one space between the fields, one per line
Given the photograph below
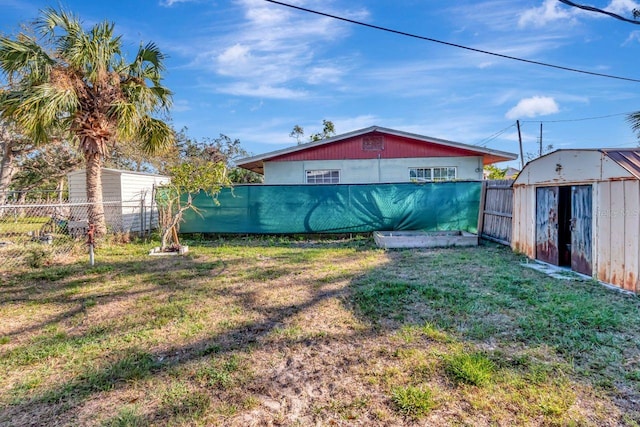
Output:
x=322 y=176
x=428 y=174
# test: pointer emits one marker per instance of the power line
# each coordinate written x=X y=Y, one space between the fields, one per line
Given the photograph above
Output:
x=606 y=12
x=484 y=142
x=575 y=120
x=415 y=36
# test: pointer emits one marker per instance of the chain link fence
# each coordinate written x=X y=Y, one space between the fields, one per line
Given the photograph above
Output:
x=35 y=233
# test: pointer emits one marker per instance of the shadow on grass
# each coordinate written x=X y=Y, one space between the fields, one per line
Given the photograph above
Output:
x=478 y=295
x=155 y=279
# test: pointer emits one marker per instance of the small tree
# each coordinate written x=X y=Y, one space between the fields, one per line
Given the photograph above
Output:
x=328 y=130
x=187 y=180
x=494 y=172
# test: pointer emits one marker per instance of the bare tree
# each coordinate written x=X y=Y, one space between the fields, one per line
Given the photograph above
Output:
x=13 y=146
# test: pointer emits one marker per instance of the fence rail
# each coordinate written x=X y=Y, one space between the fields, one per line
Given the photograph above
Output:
x=496 y=211
x=33 y=234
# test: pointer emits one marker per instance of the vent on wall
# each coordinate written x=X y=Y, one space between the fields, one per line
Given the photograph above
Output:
x=373 y=143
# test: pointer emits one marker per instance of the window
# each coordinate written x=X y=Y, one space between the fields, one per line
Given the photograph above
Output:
x=323 y=176
x=432 y=174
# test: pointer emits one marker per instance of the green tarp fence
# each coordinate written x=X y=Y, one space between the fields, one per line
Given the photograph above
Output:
x=343 y=208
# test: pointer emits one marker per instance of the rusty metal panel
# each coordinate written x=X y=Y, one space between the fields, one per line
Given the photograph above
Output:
x=547 y=224
x=602 y=231
x=616 y=210
x=530 y=221
x=524 y=232
x=517 y=218
x=581 y=228
x=631 y=233
x=520 y=215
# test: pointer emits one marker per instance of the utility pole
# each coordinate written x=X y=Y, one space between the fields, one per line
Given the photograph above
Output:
x=540 y=140
x=520 y=139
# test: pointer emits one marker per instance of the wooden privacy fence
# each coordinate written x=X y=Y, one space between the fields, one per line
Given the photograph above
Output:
x=496 y=211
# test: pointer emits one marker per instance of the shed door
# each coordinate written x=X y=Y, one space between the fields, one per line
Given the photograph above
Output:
x=581 y=213
x=547 y=224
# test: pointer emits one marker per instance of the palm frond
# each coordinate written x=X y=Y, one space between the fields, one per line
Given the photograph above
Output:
x=149 y=99
x=51 y=19
x=155 y=136
x=40 y=109
x=128 y=118
x=634 y=120
x=152 y=55
x=148 y=64
x=24 y=59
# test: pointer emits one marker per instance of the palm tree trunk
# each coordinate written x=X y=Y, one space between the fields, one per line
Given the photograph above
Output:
x=7 y=170
x=94 y=193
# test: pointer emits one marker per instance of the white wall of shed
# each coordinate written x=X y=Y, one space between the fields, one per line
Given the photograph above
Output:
x=616 y=229
x=370 y=170
x=617 y=232
x=125 y=188
x=571 y=166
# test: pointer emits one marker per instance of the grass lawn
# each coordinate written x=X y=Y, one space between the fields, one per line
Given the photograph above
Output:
x=284 y=332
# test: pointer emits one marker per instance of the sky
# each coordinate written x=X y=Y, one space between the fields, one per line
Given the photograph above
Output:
x=252 y=70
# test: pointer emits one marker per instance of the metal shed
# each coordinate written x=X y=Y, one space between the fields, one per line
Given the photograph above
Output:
x=127 y=197
x=581 y=209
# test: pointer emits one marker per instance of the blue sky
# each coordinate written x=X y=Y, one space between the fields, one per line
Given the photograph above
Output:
x=252 y=70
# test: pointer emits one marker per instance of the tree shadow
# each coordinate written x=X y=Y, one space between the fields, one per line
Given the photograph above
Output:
x=137 y=363
x=408 y=288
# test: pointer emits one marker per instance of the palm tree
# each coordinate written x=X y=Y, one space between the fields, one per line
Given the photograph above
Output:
x=634 y=120
x=78 y=81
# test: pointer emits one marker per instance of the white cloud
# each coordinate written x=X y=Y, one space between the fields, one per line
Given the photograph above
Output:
x=344 y=125
x=549 y=11
x=622 y=7
x=260 y=91
x=533 y=107
x=169 y=3
x=324 y=74
x=181 y=105
x=552 y=11
x=275 y=52
x=634 y=36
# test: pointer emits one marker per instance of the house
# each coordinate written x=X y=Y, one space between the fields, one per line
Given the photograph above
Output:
x=374 y=155
x=127 y=195
x=581 y=209
x=511 y=173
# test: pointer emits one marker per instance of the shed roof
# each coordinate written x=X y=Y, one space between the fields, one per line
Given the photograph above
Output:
x=627 y=158
x=256 y=163
x=119 y=171
x=584 y=165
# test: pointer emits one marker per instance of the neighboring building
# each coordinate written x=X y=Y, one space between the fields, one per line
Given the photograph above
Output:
x=511 y=173
x=128 y=198
x=374 y=155
x=581 y=209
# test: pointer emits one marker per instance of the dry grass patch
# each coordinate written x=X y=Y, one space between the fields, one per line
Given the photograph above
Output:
x=287 y=332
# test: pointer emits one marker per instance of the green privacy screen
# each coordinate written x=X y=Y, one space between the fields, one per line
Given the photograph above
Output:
x=344 y=208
